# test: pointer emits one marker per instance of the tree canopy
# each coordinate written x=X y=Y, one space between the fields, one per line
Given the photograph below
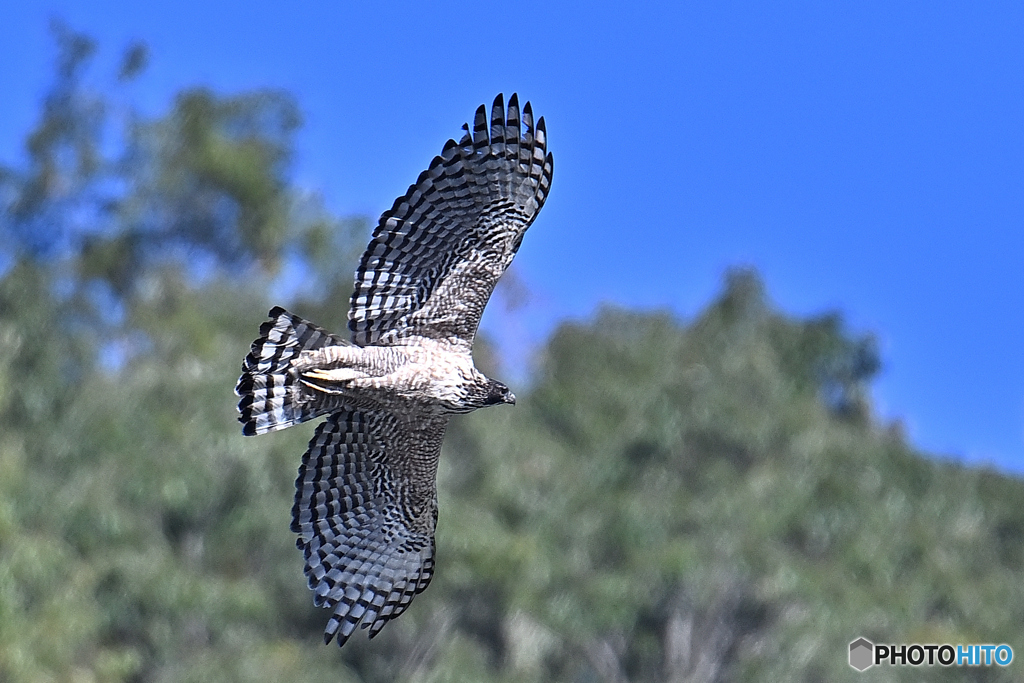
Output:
x=711 y=499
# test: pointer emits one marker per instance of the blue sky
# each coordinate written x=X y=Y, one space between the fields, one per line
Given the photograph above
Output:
x=867 y=157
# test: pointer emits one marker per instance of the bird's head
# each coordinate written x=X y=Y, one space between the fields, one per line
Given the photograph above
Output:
x=498 y=393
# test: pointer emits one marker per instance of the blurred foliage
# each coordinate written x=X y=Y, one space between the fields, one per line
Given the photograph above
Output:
x=709 y=500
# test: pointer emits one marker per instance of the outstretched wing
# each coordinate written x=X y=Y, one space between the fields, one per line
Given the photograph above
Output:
x=436 y=255
x=365 y=511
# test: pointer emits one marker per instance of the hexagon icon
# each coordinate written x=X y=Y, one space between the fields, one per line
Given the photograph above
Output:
x=862 y=653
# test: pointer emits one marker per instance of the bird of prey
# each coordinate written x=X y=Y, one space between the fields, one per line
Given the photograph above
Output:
x=366 y=496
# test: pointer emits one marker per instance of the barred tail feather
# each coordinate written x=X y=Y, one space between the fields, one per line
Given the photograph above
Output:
x=272 y=398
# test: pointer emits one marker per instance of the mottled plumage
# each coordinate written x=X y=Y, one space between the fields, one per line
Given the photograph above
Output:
x=366 y=499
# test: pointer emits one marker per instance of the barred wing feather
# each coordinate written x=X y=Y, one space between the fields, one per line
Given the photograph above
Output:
x=365 y=511
x=437 y=254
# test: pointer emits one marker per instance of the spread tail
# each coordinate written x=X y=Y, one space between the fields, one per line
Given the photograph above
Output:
x=272 y=395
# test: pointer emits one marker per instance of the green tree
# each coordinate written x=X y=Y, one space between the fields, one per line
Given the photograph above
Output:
x=138 y=254
x=715 y=501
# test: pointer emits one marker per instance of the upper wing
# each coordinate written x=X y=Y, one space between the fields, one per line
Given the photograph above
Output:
x=437 y=254
x=365 y=511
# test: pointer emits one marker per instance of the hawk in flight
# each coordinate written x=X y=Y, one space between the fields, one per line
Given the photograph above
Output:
x=366 y=495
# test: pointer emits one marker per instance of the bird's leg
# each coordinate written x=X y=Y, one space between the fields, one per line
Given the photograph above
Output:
x=327 y=358
x=330 y=368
